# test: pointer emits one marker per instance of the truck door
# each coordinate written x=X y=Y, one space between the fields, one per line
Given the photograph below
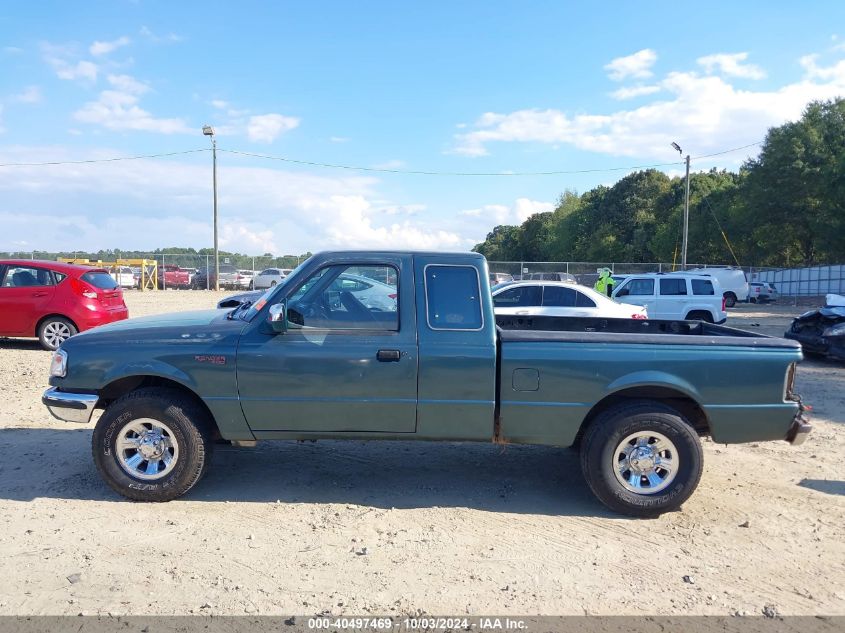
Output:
x=348 y=361
x=457 y=333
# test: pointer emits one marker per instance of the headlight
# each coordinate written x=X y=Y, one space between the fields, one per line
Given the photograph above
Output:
x=836 y=330
x=58 y=364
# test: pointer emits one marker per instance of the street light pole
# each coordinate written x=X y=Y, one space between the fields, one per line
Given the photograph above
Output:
x=207 y=130
x=686 y=212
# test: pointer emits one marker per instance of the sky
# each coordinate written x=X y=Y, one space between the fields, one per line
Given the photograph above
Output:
x=590 y=91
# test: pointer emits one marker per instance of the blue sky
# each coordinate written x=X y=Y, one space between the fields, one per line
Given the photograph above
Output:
x=433 y=86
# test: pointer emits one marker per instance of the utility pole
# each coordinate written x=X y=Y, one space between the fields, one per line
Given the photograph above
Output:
x=686 y=212
x=207 y=130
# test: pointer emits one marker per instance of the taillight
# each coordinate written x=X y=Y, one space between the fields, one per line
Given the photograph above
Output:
x=638 y=315
x=392 y=295
x=723 y=303
x=82 y=288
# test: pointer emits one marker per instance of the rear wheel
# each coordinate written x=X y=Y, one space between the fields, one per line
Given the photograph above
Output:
x=641 y=458
x=730 y=300
x=153 y=444
x=700 y=315
x=54 y=331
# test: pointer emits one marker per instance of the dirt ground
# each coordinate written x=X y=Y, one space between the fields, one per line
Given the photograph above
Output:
x=393 y=528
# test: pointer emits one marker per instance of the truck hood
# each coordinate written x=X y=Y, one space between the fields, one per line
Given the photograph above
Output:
x=182 y=327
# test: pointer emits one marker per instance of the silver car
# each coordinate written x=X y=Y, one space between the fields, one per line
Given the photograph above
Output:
x=268 y=278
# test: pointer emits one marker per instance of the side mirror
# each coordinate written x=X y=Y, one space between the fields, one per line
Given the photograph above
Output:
x=278 y=317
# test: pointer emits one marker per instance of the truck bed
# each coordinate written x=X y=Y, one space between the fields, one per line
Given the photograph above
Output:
x=649 y=331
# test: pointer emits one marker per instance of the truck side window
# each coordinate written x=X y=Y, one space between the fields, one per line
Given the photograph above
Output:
x=673 y=286
x=518 y=297
x=453 y=297
x=347 y=298
x=702 y=287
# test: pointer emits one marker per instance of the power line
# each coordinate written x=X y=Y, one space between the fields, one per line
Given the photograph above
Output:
x=727 y=151
x=297 y=161
x=102 y=160
x=439 y=173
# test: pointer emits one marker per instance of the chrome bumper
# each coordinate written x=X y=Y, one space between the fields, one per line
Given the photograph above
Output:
x=70 y=407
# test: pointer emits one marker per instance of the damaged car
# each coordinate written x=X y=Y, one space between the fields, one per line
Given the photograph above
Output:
x=822 y=331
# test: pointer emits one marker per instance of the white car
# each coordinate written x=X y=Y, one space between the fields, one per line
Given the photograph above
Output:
x=268 y=278
x=373 y=294
x=124 y=276
x=559 y=298
x=245 y=278
x=675 y=296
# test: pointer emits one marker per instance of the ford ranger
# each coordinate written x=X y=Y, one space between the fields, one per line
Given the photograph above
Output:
x=418 y=355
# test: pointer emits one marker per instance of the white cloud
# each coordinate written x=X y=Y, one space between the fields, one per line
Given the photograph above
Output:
x=79 y=70
x=637 y=65
x=731 y=65
x=119 y=110
x=633 y=91
x=170 y=37
x=138 y=204
x=265 y=128
x=127 y=83
x=104 y=48
x=12 y=50
x=30 y=94
x=220 y=104
x=339 y=139
x=704 y=114
x=491 y=215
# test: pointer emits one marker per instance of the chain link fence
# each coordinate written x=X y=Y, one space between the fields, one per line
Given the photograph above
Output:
x=585 y=273
x=172 y=270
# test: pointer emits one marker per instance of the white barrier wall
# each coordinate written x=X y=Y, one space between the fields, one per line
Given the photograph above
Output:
x=797 y=282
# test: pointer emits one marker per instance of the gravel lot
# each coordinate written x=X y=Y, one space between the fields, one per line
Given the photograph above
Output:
x=391 y=528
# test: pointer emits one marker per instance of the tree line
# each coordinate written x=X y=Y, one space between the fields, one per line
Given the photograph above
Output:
x=784 y=208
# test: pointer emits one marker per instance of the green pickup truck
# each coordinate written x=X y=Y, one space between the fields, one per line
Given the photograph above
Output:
x=405 y=346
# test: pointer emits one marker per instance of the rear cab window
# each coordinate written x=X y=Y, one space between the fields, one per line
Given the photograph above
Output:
x=453 y=297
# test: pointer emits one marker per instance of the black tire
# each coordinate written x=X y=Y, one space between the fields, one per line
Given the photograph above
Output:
x=53 y=331
x=730 y=300
x=753 y=300
x=607 y=432
x=699 y=315
x=191 y=430
x=272 y=283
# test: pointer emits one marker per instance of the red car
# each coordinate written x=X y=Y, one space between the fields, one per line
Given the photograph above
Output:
x=54 y=301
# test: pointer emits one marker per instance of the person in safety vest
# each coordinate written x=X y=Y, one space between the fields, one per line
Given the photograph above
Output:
x=605 y=282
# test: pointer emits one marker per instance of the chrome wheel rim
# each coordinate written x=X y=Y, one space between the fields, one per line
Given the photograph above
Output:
x=147 y=449
x=56 y=333
x=645 y=462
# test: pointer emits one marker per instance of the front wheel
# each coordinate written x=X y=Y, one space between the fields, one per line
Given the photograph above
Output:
x=54 y=331
x=641 y=459
x=153 y=444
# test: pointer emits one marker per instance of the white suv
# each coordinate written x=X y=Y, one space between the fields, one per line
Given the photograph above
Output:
x=675 y=296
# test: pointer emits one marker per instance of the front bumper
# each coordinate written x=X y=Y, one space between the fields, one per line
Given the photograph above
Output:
x=70 y=407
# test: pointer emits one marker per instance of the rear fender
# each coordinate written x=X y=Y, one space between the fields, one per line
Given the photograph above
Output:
x=654 y=379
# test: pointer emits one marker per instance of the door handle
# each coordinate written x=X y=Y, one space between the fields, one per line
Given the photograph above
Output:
x=39 y=294
x=522 y=311
x=388 y=356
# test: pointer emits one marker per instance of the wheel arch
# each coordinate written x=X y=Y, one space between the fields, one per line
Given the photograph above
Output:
x=57 y=315
x=668 y=395
x=121 y=386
